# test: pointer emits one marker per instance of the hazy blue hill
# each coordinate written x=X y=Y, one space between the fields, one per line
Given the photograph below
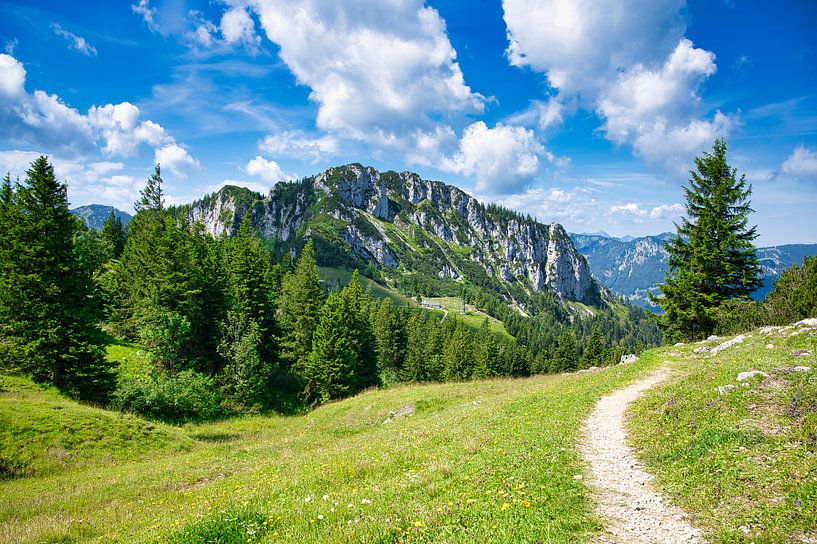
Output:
x=95 y=215
x=632 y=268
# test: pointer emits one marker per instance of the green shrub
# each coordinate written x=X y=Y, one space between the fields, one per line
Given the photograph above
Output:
x=165 y=336
x=795 y=294
x=144 y=389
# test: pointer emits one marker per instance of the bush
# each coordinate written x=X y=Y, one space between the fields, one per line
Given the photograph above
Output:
x=165 y=336
x=144 y=389
x=795 y=294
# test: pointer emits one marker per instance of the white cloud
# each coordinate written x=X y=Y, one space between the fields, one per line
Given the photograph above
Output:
x=801 y=163
x=265 y=169
x=628 y=61
x=77 y=42
x=504 y=159
x=43 y=121
x=87 y=183
x=12 y=77
x=297 y=144
x=148 y=14
x=629 y=209
x=667 y=211
x=118 y=125
x=378 y=71
x=238 y=27
x=576 y=206
x=175 y=158
x=582 y=44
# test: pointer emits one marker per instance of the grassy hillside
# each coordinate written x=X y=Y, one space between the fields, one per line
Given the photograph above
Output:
x=43 y=433
x=489 y=461
x=743 y=462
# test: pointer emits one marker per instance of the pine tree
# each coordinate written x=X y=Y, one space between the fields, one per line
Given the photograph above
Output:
x=387 y=337
x=712 y=259
x=595 y=353
x=357 y=308
x=329 y=370
x=152 y=196
x=50 y=321
x=112 y=236
x=566 y=356
x=458 y=355
x=414 y=364
x=300 y=304
x=485 y=351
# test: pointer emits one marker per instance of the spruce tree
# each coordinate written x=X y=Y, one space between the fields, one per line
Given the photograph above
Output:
x=51 y=323
x=112 y=236
x=485 y=351
x=300 y=304
x=566 y=356
x=387 y=337
x=458 y=354
x=329 y=371
x=357 y=307
x=414 y=364
x=712 y=259
x=595 y=352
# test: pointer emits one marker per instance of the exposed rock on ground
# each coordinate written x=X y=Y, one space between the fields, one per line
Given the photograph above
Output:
x=728 y=344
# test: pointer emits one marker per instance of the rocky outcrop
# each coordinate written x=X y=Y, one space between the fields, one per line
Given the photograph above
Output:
x=397 y=221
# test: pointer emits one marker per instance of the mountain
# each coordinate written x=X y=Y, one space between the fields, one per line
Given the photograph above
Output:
x=421 y=234
x=95 y=215
x=634 y=268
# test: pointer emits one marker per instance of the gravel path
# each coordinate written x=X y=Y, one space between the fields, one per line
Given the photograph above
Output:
x=633 y=512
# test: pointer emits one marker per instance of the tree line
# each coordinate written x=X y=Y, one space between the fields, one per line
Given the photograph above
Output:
x=226 y=326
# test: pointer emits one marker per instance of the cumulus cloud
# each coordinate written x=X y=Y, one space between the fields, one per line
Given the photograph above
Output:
x=801 y=163
x=629 y=62
x=297 y=144
x=667 y=211
x=238 y=27
x=504 y=159
x=43 y=121
x=119 y=127
x=576 y=206
x=629 y=209
x=76 y=42
x=87 y=183
x=377 y=71
x=265 y=169
x=175 y=158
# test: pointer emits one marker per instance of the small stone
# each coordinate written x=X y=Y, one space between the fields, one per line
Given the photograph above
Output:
x=796 y=369
x=729 y=343
x=802 y=353
x=629 y=358
x=749 y=374
x=678 y=344
x=577 y=476
x=712 y=338
x=769 y=346
x=702 y=349
x=810 y=322
x=724 y=388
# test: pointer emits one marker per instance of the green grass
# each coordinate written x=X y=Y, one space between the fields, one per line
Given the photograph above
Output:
x=341 y=277
x=472 y=316
x=744 y=463
x=42 y=433
x=487 y=461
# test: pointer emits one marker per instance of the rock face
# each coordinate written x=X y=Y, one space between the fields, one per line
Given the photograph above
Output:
x=400 y=223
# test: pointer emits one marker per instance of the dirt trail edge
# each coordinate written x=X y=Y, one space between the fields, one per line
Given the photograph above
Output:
x=632 y=511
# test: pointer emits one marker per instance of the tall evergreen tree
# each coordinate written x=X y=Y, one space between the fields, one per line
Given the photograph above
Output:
x=50 y=321
x=414 y=364
x=387 y=336
x=595 y=352
x=357 y=308
x=112 y=236
x=485 y=351
x=458 y=354
x=566 y=356
x=300 y=304
x=712 y=259
x=329 y=371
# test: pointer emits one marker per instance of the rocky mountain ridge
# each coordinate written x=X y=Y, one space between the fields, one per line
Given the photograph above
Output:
x=402 y=224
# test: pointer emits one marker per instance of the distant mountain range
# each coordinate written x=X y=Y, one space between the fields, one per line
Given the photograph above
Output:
x=632 y=267
x=95 y=215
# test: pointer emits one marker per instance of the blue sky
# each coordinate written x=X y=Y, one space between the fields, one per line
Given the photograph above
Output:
x=583 y=112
